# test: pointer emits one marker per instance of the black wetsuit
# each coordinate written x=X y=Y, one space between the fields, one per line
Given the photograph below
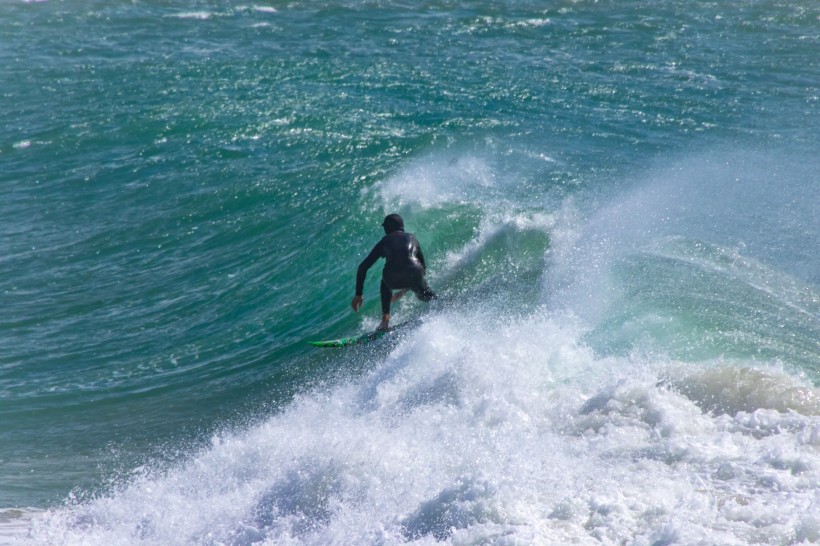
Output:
x=404 y=267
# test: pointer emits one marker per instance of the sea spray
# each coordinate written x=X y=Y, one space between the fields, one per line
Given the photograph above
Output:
x=462 y=435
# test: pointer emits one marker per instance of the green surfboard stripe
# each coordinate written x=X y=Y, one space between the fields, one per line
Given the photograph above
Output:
x=355 y=340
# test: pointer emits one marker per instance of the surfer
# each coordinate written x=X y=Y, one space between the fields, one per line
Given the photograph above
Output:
x=404 y=268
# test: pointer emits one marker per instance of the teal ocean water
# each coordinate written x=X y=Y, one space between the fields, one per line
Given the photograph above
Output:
x=620 y=207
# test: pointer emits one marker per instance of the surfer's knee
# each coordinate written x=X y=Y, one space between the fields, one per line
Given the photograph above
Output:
x=425 y=295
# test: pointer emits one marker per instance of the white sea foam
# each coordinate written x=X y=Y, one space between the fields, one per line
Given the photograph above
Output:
x=199 y=15
x=14 y=524
x=481 y=430
x=256 y=9
x=436 y=181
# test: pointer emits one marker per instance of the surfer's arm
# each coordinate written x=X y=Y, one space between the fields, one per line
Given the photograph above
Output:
x=420 y=256
x=361 y=273
x=366 y=264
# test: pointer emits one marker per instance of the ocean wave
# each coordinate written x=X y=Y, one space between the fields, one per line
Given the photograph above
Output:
x=481 y=429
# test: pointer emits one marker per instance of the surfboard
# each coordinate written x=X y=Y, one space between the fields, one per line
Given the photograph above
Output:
x=356 y=340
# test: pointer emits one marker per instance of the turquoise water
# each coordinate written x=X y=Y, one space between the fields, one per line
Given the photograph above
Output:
x=618 y=202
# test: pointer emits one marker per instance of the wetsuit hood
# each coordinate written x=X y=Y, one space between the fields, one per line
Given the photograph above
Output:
x=393 y=222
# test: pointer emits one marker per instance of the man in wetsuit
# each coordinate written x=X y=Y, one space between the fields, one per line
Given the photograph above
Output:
x=404 y=268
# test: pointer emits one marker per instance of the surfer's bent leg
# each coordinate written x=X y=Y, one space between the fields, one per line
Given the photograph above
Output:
x=387 y=296
x=423 y=291
x=427 y=295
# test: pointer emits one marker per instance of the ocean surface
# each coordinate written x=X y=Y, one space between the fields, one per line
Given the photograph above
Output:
x=619 y=203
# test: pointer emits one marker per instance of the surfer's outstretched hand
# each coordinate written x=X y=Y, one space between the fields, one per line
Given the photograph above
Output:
x=356 y=303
